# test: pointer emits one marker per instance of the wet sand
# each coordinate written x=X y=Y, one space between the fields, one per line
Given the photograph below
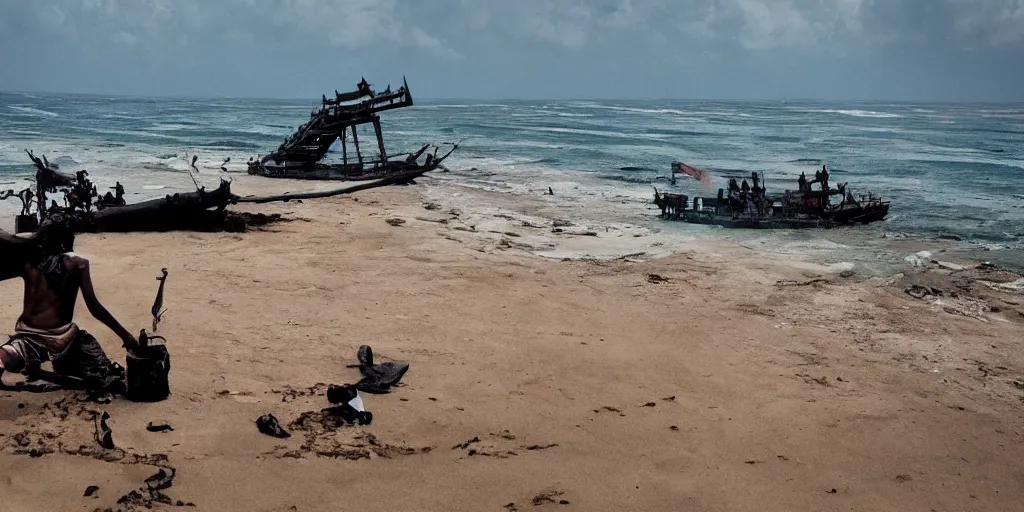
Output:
x=712 y=377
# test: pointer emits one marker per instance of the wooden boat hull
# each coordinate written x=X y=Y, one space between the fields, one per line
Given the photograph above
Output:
x=352 y=171
x=301 y=155
x=339 y=172
x=751 y=222
x=678 y=207
x=862 y=214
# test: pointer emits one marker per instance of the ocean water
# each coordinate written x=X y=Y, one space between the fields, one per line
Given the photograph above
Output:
x=951 y=171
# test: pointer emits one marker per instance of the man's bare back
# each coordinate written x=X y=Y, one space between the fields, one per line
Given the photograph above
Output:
x=46 y=329
x=50 y=300
x=50 y=304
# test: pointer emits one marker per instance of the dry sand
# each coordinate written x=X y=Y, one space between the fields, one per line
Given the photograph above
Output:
x=711 y=379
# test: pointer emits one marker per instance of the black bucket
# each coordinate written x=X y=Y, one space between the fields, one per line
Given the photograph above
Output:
x=148 y=369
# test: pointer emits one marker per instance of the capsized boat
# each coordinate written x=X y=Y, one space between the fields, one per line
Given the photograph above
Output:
x=752 y=208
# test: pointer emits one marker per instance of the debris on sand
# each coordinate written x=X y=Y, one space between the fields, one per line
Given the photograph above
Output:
x=161 y=480
x=978 y=292
x=548 y=497
x=324 y=440
x=920 y=292
x=336 y=415
x=152 y=493
x=656 y=278
x=269 y=425
x=322 y=429
x=377 y=378
x=537 y=447
x=103 y=435
x=395 y=221
x=497 y=445
x=288 y=393
x=158 y=427
x=428 y=219
x=802 y=283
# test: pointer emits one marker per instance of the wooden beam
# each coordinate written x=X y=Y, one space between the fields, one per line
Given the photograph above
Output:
x=380 y=141
x=390 y=180
x=355 y=139
x=344 y=146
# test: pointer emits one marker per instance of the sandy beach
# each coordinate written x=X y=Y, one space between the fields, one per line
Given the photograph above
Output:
x=686 y=375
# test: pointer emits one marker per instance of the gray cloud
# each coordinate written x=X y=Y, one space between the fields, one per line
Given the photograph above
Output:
x=899 y=49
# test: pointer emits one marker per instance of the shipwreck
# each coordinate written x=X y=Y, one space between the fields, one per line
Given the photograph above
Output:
x=746 y=206
x=334 y=128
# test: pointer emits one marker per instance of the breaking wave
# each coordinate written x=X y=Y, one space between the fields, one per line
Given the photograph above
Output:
x=33 y=111
x=858 y=113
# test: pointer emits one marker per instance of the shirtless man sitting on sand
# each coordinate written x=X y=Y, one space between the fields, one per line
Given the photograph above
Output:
x=46 y=331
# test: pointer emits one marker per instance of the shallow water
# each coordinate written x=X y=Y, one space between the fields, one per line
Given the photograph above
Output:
x=949 y=170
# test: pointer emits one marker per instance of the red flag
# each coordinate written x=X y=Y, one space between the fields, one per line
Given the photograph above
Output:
x=700 y=174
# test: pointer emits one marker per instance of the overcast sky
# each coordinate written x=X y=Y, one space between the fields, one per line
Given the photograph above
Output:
x=944 y=50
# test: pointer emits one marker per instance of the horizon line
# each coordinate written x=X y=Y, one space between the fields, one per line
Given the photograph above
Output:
x=524 y=99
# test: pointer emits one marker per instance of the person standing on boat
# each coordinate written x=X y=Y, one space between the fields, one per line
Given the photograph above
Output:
x=824 y=178
x=802 y=181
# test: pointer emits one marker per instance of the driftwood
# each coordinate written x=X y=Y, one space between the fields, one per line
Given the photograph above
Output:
x=196 y=211
x=405 y=178
x=803 y=283
x=201 y=210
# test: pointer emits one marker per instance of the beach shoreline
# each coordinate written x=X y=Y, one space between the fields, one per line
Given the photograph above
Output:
x=953 y=183
x=600 y=370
